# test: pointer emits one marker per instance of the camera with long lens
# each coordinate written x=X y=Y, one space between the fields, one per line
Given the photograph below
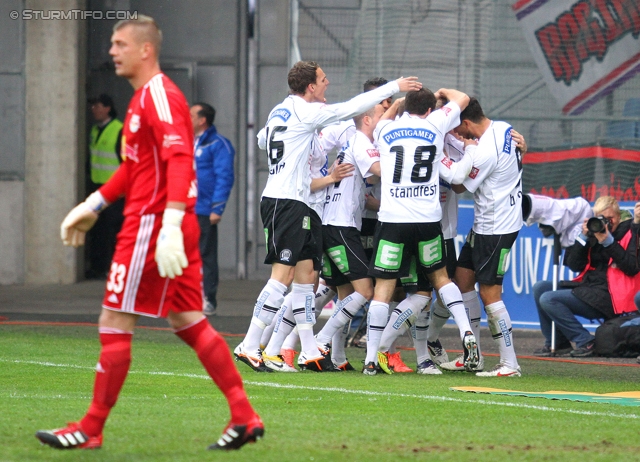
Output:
x=596 y=225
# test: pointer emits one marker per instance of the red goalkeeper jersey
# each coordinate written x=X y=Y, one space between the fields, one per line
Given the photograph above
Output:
x=157 y=134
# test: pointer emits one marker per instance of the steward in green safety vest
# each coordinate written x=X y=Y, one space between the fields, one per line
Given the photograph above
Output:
x=104 y=151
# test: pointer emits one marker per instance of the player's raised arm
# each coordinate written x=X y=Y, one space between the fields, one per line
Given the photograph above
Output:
x=450 y=94
x=337 y=172
x=409 y=84
x=363 y=101
x=394 y=110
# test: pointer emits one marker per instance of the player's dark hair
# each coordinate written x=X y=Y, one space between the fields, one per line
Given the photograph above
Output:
x=207 y=111
x=374 y=83
x=419 y=102
x=473 y=112
x=301 y=75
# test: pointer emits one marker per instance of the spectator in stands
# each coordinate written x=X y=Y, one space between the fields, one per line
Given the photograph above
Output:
x=214 y=169
x=609 y=277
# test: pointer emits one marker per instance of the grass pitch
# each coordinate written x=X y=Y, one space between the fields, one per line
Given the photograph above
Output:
x=170 y=411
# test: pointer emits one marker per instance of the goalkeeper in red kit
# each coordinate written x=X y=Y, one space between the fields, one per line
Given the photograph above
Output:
x=156 y=269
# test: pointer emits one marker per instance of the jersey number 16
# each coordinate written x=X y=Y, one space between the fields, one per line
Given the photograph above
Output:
x=275 y=149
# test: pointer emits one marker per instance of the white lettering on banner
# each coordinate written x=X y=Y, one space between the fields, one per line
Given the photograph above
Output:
x=584 y=50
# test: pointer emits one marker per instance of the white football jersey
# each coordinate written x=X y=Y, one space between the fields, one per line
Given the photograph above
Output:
x=454 y=149
x=290 y=132
x=332 y=136
x=345 y=199
x=337 y=135
x=410 y=154
x=319 y=169
x=564 y=215
x=496 y=182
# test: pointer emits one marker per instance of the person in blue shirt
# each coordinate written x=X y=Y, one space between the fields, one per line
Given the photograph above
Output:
x=214 y=171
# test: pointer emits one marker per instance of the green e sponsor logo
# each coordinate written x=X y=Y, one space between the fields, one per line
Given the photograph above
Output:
x=430 y=252
x=326 y=267
x=306 y=223
x=413 y=273
x=266 y=239
x=504 y=261
x=338 y=255
x=389 y=255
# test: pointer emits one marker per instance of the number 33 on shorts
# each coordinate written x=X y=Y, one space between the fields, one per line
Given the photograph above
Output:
x=115 y=282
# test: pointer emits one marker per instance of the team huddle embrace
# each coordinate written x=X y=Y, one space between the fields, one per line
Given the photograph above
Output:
x=377 y=228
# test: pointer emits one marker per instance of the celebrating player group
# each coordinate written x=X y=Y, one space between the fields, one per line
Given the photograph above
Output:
x=376 y=229
x=400 y=165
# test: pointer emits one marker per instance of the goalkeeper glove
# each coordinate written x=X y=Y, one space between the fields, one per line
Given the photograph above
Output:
x=170 y=255
x=81 y=219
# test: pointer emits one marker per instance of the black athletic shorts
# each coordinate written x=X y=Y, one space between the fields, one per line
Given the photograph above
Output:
x=451 y=257
x=487 y=255
x=367 y=231
x=344 y=258
x=396 y=243
x=316 y=231
x=417 y=281
x=287 y=231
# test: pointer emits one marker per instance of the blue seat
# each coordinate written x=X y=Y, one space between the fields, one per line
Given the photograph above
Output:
x=626 y=130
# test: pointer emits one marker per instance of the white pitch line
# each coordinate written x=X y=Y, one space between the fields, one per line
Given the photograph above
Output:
x=380 y=394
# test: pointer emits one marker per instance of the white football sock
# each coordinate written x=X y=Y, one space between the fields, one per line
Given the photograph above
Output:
x=419 y=334
x=376 y=322
x=268 y=331
x=338 y=355
x=266 y=307
x=343 y=314
x=324 y=295
x=472 y=303
x=283 y=325
x=392 y=348
x=438 y=318
x=500 y=325
x=291 y=342
x=302 y=304
x=403 y=316
x=452 y=299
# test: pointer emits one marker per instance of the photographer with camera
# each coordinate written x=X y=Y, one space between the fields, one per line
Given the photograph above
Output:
x=605 y=254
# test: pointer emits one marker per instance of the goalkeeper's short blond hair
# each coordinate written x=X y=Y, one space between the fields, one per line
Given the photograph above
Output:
x=146 y=30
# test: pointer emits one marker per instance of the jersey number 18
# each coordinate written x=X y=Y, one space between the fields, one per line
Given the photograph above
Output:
x=422 y=167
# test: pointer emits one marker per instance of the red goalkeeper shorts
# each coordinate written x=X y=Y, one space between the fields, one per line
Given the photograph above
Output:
x=134 y=284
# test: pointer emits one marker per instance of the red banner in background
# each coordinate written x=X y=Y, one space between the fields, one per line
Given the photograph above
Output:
x=584 y=49
x=589 y=172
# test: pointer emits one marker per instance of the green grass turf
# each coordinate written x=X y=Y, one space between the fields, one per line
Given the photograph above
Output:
x=169 y=411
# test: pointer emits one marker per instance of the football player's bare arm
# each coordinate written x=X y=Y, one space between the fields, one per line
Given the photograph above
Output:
x=371 y=203
x=375 y=170
x=337 y=173
x=450 y=94
x=396 y=108
x=458 y=188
